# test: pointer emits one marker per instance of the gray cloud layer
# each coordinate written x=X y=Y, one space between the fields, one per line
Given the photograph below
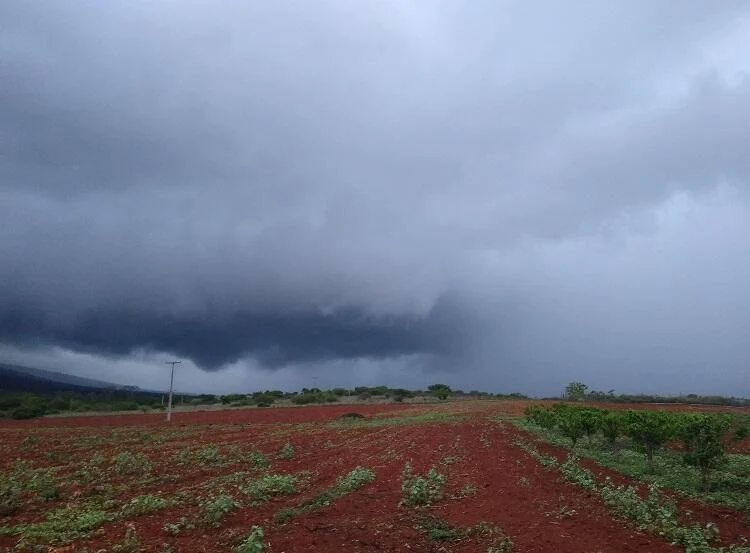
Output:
x=523 y=192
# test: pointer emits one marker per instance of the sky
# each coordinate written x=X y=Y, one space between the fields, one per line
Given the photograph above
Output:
x=499 y=195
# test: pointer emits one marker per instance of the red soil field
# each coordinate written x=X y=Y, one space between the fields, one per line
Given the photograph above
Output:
x=489 y=479
x=227 y=416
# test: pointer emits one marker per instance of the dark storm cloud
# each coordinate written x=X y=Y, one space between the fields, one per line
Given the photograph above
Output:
x=304 y=182
x=275 y=340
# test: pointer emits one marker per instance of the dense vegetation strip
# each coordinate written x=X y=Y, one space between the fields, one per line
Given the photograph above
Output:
x=653 y=514
x=634 y=443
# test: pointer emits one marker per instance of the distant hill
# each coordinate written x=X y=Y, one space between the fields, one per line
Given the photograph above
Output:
x=15 y=378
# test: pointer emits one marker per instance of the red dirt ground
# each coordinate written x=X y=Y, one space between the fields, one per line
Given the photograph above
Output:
x=473 y=451
x=228 y=416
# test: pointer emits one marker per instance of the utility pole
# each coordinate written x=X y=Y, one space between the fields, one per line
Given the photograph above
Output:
x=171 y=384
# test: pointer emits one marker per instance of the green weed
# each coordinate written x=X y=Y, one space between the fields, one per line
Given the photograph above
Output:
x=174 y=528
x=263 y=489
x=438 y=529
x=253 y=543
x=214 y=509
x=354 y=480
x=421 y=490
x=286 y=451
x=131 y=543
x=62 y=527
x=210 y=455
x=257 y=460
x=421 y=418
x=126 y=463
x=143 y=505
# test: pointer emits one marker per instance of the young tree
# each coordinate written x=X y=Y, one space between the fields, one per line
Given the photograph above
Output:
x=440 y=391
x=650 y=430
x=544 y=417
x=576 y=391
x=570 y=421
x=706 y=437
x=611 y=425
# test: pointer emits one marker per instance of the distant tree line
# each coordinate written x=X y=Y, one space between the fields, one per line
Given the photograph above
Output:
x=26 y=405
x=578 y=391
x=17 y=405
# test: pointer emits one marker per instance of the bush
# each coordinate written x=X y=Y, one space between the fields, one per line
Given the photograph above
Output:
x=650 y=430
x=571 y=422
x=706 y=438
x=546 y=418
x=421 y=490
x=258 y=460
x=440 y=391
x=611 y=425
x=28 y=411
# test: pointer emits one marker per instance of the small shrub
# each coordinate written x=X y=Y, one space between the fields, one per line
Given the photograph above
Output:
x=438 y=529
x=355 y=480
x=571 y=422
x=421 y=490
x=209 y=455
x=469 y=489
x=546 y=418
x=612 y=427
x=262 y=489
x=10 y=497
x=650 y=430
x=183 y=457
x=253 y=543
x=28 y=443
x=573 y=472
x=173 y=529
x=143 y=505
x=505 y=545
x=127 y=463
x=43 y=482
x=214 y=510
x=131 y=543
x=258 y=460
x=351 y=416
x=706 y=437
x=92 y=470
x=287 y=451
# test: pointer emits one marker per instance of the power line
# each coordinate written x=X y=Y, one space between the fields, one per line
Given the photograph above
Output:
x=171 y=384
